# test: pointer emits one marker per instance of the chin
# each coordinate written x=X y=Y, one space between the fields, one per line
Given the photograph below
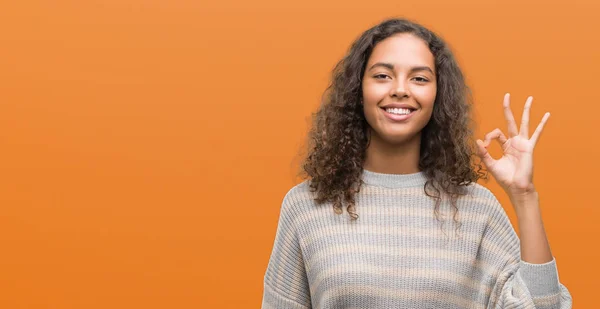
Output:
x=400 y=139
x=397 y=138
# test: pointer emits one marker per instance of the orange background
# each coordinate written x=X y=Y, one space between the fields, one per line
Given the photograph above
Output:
x=145 y=146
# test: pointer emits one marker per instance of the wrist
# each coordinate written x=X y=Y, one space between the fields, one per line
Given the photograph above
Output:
x=524 y=200
x=522 y=191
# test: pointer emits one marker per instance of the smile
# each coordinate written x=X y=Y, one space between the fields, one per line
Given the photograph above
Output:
x=398 y=114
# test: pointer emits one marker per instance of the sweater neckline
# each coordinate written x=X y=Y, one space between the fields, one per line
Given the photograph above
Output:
x=394 y=180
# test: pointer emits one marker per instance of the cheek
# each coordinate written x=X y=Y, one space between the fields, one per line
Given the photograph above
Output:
x=425 y=96
x=374 y=93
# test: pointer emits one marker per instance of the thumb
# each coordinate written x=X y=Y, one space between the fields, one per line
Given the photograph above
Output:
x=483 y=153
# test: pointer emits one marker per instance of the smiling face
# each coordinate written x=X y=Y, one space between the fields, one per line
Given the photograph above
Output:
x=399 y=88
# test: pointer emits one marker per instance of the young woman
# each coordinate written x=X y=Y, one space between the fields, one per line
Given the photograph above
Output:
x=392 y=147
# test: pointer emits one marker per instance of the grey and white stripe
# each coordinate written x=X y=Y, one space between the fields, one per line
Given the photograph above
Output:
x=398 y=255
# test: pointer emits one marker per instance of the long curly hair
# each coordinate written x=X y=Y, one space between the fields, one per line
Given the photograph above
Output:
x=338 y=138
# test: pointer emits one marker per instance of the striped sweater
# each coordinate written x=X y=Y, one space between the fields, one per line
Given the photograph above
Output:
x=398 y=255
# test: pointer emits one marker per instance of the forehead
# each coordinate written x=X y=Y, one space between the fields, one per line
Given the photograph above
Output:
x=403 y=50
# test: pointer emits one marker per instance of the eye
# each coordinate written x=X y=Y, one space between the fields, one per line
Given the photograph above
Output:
x=420 y=79
x=380 y=76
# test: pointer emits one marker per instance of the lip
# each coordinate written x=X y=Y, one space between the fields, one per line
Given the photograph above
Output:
x=395 y=117
x=399 y=105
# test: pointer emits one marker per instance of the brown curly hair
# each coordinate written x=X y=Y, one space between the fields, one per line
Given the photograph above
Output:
x=338 y=138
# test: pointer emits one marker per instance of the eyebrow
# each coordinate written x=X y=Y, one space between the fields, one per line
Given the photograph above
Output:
x=391 y=67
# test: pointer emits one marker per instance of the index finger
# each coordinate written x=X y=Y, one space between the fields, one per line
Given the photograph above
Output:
x=510 y=119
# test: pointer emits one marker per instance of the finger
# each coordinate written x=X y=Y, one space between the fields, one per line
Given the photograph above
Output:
x=525 y=119
x=510 y=119
x=496 y=134
x=538 y=131
x=483 y=153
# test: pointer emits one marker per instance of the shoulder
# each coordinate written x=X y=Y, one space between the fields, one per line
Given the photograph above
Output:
x=299 y=193
x=298 y=198
x=479 y=191
x=497 y=226
x=481 y=197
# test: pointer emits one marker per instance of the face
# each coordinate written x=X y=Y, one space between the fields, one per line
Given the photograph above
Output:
x=399 y=88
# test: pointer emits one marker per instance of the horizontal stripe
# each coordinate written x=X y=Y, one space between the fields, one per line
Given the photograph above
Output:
x=398 y=295
x=398 y=254
x=474 y=286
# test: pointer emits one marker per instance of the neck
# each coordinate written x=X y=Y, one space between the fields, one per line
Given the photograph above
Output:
x=400 y=158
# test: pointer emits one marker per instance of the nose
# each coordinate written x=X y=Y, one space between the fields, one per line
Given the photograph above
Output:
x=400 y=90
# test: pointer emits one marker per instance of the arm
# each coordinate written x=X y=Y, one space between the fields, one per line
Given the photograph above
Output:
x=530 y=277
x=514 y=173
x=285 y=281
x=516 y=282
x=535 y=248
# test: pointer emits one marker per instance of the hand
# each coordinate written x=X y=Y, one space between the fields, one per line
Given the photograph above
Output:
x=514 y=170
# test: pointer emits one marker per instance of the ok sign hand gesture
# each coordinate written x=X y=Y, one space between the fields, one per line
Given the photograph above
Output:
x=514 y=170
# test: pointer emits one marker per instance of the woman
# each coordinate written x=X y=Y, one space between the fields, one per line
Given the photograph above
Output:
x=392 y=143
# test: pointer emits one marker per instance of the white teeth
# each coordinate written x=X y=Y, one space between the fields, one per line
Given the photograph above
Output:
x=398 y=111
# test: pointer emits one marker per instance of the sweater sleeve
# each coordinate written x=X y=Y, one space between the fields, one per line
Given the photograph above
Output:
x=285 y=281
x=520 y=284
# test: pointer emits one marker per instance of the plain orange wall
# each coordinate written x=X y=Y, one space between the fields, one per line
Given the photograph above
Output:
x=145 y=146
